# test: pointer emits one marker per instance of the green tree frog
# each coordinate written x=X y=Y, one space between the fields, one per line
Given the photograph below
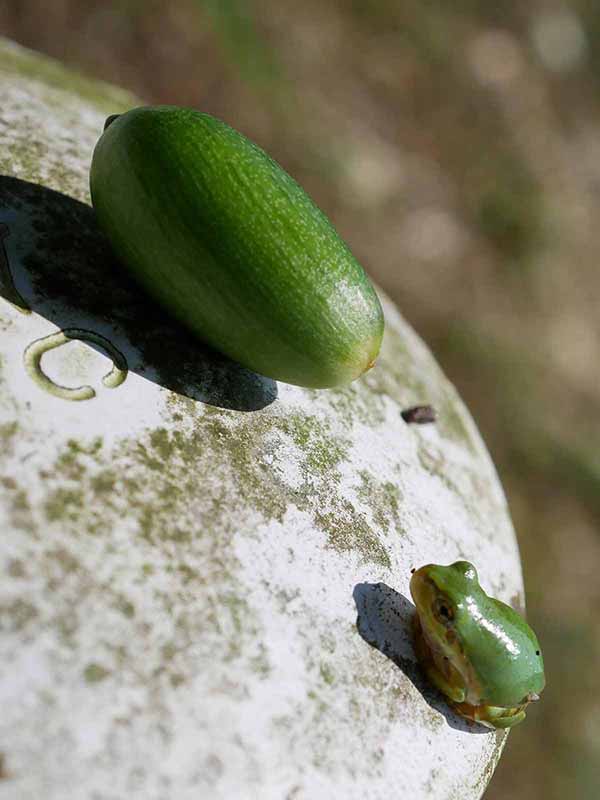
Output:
x=476 y=650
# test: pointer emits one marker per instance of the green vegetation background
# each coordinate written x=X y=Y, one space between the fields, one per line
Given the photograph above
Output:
x=456 y=146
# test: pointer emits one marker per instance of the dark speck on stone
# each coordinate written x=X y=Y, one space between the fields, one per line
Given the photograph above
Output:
x=419 y=415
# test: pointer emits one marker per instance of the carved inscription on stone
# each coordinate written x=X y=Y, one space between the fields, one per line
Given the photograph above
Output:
x=7 y=286
x=33 y=363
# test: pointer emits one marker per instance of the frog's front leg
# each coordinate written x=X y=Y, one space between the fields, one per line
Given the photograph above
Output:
x=438 y=668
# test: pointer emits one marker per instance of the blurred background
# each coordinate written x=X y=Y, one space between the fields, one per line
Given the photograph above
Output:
x=456 y=147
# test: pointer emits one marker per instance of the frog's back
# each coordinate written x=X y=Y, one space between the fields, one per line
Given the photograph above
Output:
x=508 y=658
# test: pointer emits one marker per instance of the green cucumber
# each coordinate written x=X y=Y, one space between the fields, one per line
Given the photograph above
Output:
x=227 y=241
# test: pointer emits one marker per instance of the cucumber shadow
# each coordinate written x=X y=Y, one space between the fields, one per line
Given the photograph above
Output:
x=55 y=261
x=385 y=622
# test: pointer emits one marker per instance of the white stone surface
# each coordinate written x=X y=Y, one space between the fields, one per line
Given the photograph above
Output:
x=183 y=557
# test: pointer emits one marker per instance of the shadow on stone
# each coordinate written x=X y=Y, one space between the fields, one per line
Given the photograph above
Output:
x=55 y=261
x=385 y=619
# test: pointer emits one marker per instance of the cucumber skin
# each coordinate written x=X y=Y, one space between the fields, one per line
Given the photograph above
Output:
x=227 y=241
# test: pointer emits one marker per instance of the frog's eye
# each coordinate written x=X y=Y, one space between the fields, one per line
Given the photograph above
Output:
x=443 y=611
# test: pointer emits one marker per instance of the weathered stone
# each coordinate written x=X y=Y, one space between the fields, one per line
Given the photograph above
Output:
x=185 y=547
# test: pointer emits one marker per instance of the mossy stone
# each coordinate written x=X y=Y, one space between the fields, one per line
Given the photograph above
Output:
x=184 y=556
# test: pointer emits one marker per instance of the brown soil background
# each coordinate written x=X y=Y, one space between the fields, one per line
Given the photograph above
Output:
x=456 y=146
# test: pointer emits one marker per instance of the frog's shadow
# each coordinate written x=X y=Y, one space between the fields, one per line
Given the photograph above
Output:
x=385 y=621
x=55 y=261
